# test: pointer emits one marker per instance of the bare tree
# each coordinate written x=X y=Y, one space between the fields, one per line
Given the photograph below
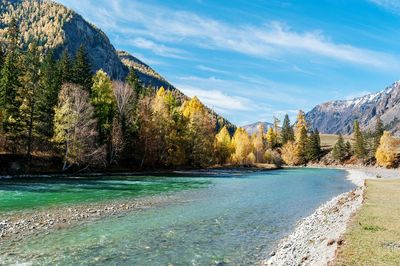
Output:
x=75 y=128
x=125 y=104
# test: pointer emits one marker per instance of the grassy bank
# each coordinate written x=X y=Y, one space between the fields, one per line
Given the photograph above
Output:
x=373 y=237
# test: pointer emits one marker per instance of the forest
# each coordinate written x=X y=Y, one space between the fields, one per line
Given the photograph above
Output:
x=57 y=108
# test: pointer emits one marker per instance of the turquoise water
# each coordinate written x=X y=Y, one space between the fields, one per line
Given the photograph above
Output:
x=230 y=218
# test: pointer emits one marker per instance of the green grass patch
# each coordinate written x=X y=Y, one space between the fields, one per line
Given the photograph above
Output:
x=373 y=237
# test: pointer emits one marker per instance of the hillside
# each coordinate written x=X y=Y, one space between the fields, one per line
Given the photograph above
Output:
x=253 y=128
x=58 y=28
x=338 y=116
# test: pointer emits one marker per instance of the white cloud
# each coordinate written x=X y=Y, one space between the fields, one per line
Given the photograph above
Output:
x=272 y=41
x=158 y=49
x=218 y=100
x=210 y=69
x=391 y=5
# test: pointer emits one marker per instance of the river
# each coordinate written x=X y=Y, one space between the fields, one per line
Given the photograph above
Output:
x=220 y=218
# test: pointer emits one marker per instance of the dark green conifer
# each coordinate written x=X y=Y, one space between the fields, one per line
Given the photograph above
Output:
x=287 y=131
x=81 y=71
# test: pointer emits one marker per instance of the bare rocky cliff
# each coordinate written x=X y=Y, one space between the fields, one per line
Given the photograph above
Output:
x=338 y=116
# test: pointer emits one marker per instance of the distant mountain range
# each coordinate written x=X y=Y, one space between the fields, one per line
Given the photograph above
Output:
x=338 y=116
x=253 y=128
x=60 y=29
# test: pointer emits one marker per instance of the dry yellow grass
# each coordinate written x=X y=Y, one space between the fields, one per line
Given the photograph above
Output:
x=373 y=237
x=329 y=140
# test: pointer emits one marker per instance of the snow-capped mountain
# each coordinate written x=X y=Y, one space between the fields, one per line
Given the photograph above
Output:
x=338 y=116
x=253 y=128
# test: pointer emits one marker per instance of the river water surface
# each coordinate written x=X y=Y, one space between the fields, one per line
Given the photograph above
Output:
x=224 y=218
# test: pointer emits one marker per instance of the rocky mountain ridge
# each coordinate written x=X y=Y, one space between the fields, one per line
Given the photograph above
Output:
x=338 y=116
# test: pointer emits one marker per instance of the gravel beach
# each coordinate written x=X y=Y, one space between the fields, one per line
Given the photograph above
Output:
x=316 y=238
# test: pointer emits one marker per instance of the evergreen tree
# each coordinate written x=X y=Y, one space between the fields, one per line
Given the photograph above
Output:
x=287 y=131
x=2 y=58
x=64 y=66
x=313 y=147
x=340 y=150
x=9 y=85
x=28 y=93
x=81 y=72
x=379 y=129
x=49 y=86
x=359 y=144
x=301 y=145
x=133 y=81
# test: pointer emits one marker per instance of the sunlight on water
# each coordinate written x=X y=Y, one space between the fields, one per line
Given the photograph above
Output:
x=232 y=219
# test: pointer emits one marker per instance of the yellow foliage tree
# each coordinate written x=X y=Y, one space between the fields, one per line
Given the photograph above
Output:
x=201 y=126
x=386 y=153
x=290 y=154
x=258 y=144
x=242 y=147
x=271 y=138
x=223 y=146
x=300 y=124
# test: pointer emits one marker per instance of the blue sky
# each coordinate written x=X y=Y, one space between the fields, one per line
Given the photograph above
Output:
x=252 y=60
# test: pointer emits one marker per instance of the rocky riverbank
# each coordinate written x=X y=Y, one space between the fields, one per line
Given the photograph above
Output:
x=317 y=237
x=18 y=225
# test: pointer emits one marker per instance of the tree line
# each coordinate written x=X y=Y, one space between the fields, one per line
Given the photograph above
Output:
x=291 y=144
x=60 y=108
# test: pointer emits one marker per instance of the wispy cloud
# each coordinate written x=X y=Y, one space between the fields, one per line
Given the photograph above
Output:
x=273 y=40
x=159 y=49
x=391 y=5
x=210 y=69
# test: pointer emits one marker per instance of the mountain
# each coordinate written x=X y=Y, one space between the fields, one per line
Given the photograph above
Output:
x=253 y=128
x=338 y=116
x=60 y=29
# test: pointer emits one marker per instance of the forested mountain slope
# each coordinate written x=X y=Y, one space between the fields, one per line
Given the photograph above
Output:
x=58 y=28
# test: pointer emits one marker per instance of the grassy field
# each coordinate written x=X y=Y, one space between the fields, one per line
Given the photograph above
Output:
x=328 y=140
x=373 y=237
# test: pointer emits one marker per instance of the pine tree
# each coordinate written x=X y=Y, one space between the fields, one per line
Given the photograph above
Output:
x=64 y=66
x=133 y=81
x=359 y=144
x=81 y=71
x=379 y=129
x=340 y=150
x=28 y=93
x=49 y=86
x=313 y=147
x=301 y=145
x=9 y=85
x=287 y=131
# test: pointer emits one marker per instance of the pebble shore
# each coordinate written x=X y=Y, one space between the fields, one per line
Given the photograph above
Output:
x=317 y=237
x=19 y=225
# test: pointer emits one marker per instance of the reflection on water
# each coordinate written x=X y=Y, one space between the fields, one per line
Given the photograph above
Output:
x=233 y=220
